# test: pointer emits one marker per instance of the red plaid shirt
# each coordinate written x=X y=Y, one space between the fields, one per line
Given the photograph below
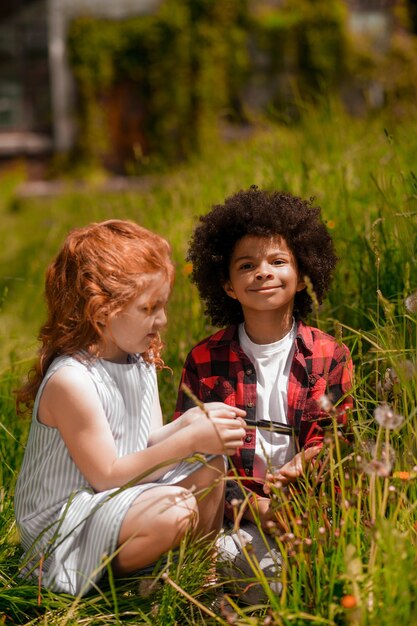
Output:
x=217 y=369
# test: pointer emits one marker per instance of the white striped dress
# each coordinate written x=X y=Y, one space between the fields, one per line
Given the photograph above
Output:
x=59 y=516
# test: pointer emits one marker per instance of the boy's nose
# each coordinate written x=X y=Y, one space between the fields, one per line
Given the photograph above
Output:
x=262 y=273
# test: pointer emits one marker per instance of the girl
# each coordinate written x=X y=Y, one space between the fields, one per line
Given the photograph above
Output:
x=101 y=476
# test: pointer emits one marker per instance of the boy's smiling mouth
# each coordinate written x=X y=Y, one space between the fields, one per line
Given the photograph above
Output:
x=269 y=288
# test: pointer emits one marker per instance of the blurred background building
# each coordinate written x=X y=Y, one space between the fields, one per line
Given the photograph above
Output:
x=38 y=91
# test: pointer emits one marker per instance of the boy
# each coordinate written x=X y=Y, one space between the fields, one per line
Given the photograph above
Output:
x=252 y=258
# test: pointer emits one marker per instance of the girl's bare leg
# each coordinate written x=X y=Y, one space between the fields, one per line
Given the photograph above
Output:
x=160 y=517
x=207 y=484
x=156 y=522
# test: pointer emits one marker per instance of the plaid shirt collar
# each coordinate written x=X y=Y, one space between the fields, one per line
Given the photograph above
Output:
x=230 y=337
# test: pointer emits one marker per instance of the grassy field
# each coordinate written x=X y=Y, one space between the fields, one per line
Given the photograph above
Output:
x=350 y=557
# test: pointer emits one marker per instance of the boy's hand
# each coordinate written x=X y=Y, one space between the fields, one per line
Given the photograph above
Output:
x=292 y=470
x=260 y=510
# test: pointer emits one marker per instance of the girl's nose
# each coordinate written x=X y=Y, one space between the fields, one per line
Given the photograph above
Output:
x=161 y=319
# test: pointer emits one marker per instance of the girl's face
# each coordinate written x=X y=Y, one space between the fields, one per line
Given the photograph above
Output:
x=131 y=330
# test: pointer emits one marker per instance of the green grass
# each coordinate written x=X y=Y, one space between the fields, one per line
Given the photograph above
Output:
x=358 y=540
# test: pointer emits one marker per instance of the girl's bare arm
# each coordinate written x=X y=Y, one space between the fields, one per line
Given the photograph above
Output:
x=71 y=404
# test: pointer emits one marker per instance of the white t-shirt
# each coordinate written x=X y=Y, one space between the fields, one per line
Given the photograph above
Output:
x=272 y=364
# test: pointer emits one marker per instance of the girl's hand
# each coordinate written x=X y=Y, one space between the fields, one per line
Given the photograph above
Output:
x=196 y=414
x=221 y=432
x=292 y=470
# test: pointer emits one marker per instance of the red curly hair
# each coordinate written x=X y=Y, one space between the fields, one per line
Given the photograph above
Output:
x=99 y=269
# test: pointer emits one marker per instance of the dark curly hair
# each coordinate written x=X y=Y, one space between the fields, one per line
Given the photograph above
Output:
x=265 y=214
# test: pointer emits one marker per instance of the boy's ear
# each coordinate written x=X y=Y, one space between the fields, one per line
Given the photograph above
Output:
x=301 y=285
x=229 y=289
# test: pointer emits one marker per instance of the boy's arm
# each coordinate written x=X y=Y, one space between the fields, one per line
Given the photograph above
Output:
x=190 y=378
x=337 y=400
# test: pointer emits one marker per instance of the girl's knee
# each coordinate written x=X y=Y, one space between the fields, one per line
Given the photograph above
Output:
x=184 y=508
x=177 y=511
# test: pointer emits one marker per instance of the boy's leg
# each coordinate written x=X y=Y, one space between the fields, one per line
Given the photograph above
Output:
x=242 y=555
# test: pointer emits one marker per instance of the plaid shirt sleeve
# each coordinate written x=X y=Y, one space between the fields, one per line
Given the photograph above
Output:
x=331 y=377
x=190 y=378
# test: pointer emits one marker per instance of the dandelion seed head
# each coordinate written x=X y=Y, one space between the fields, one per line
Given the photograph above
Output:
x=322 y=530
x=147 y=587
x=380 y=468
x=407 y=369
x=387 y=418
x=325 y=403
x=411 y=302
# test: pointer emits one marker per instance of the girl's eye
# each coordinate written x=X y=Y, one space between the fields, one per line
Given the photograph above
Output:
x=246 y=266
x=278 y=262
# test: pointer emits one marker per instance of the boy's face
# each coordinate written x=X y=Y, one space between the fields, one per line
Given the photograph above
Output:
x=263 y=275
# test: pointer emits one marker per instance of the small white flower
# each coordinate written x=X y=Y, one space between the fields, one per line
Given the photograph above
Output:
x=387 y=418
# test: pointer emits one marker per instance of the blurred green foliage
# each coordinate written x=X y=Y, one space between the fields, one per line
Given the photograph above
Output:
x=187 y=67
x=186 y=64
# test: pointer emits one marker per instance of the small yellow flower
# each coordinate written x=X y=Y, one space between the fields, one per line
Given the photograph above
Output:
x=403 y=475
x=187 y=269
x=331 y=224
x=349 y=601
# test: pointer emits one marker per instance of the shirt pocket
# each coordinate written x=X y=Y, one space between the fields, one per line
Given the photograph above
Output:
x=217 y=389
x=312 y=410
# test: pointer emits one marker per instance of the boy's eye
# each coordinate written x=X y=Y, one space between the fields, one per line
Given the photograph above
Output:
x=246 y=266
